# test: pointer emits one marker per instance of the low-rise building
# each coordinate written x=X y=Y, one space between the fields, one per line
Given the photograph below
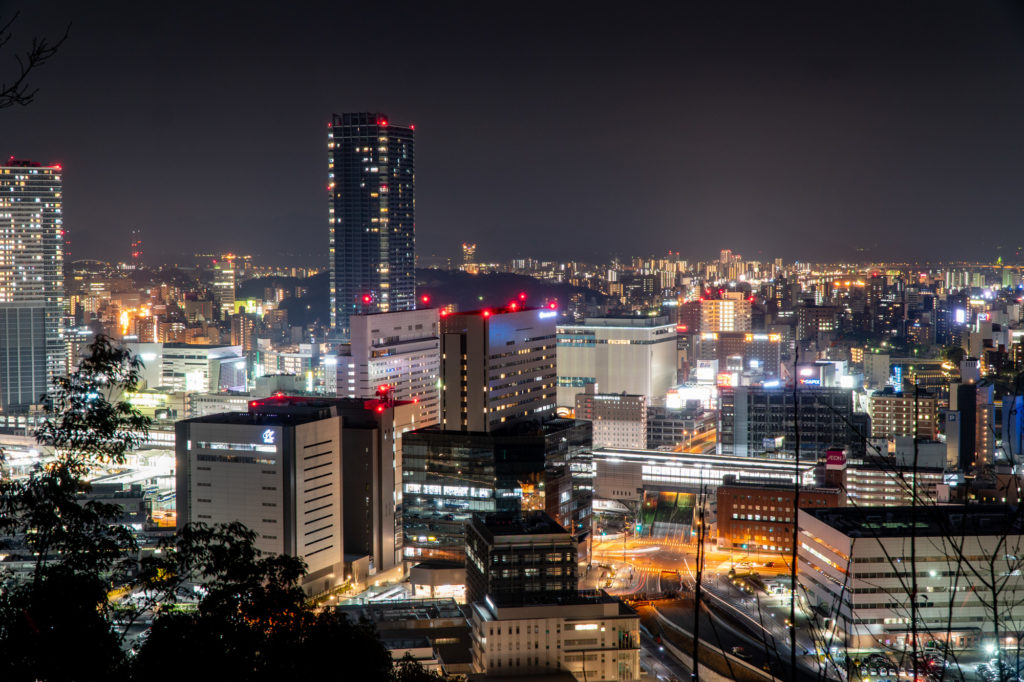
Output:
x=855 y=563
x=687 y=427
x=619 y=419
x=526 y=555
x=760 y=517
x=434 y=632
x=594 y=637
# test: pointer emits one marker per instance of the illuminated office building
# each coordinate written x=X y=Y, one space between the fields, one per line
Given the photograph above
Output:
x=449 y=475
x=619 y=419
x=758 y=419
x=497 y=367
x=621 y=355
x=371 y=212
x=524 y=557
x=312 y=477
x=224 y=285
x=849 y=564
x=400 y=350
x=32 y=349
x=741 y=352
x=725 y=315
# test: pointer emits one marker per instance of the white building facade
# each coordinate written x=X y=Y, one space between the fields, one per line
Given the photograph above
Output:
x=855 y=566
x=619 y=355
x=401 y=350
x=595 y=639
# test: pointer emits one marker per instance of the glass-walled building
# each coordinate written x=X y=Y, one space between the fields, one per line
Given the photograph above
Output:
x=447 y=476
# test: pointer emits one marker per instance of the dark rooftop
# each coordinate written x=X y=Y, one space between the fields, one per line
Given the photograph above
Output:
x=575 y=599
x=403 y=611
x=520 y=523
x=890 y=392
x=931 y=520
x=288 y=410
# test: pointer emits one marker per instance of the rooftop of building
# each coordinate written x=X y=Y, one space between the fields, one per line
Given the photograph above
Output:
x=512 y=307
x=930 y=520
x=439 y=564
x=173 y=345
x=588 y=598
x=517 y=429
x=556 y=676
x=290 y=410
x=23 y=163
x=781 y=461
x=404 y=611
x=890 y=392
x=728 y=485
x=625 y=321
x=520 y=524
x=891 y=464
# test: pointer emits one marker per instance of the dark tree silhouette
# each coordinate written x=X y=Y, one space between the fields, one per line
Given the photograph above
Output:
x=77 y=550
x=253 y=621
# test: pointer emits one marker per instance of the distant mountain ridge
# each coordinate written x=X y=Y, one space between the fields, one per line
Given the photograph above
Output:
x=444 y=287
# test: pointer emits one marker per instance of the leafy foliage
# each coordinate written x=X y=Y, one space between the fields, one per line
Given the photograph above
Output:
x=78 y=549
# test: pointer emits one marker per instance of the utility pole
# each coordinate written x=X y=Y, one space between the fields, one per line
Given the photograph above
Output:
x=698 y=581
x=796 y=511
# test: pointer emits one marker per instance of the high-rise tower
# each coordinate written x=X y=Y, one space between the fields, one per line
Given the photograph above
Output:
x=497 y=368
x=31 y=282
x=371 y=191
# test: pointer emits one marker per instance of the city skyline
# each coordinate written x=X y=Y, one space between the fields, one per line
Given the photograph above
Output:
x=881 y=129
x=698 y=352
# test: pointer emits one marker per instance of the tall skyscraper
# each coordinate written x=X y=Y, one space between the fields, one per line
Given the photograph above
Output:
x=31 y=282
x=224 y=284
x=372 y=207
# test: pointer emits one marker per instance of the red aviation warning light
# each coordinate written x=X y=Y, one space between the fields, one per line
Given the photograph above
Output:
x=487 y=313
x=553 y=305
x=367 y=298
x=513 y=305
x=425 y=299
x=522 y=295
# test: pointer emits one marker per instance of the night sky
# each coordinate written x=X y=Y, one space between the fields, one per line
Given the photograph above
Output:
x=562 y=130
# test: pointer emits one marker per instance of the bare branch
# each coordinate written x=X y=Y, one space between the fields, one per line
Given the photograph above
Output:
x=19 y=91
